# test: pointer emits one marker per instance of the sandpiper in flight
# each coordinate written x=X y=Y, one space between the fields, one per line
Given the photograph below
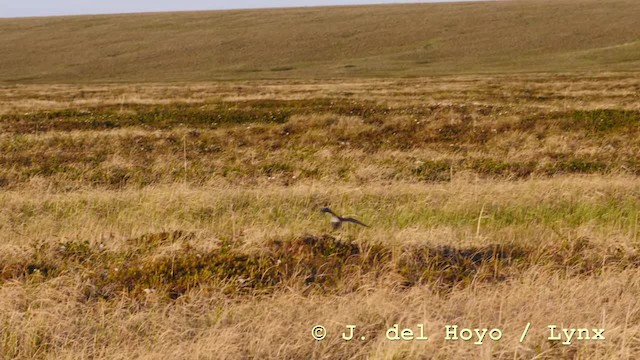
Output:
x=337 y=220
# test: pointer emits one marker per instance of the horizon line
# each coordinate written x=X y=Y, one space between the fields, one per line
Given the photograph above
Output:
x=245 y=8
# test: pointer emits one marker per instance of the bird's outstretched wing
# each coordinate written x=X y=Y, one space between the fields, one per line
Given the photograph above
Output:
x=355 y=221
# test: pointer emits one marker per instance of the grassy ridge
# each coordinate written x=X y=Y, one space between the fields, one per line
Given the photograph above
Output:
x=363 y=41
x=310 y=263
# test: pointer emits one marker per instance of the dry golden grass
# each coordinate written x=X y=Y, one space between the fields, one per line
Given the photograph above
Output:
x=60 y=314
x=182 y=221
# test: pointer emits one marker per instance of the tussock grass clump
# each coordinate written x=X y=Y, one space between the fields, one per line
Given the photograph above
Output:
x=596 y=121
x=496 y=168
x=447 y=266
x=433 y=170
x=602 y=120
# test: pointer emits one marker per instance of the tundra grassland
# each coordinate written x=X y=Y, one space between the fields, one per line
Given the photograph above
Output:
x=393 y=40
x=182 y=220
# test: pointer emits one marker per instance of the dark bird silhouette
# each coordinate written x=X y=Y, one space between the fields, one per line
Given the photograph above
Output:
x=337 y=220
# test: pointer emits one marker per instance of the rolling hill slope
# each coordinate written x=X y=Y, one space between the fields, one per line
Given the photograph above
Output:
x=358 y=41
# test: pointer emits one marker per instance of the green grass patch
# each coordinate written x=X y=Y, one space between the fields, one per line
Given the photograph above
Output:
x=602 y=120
